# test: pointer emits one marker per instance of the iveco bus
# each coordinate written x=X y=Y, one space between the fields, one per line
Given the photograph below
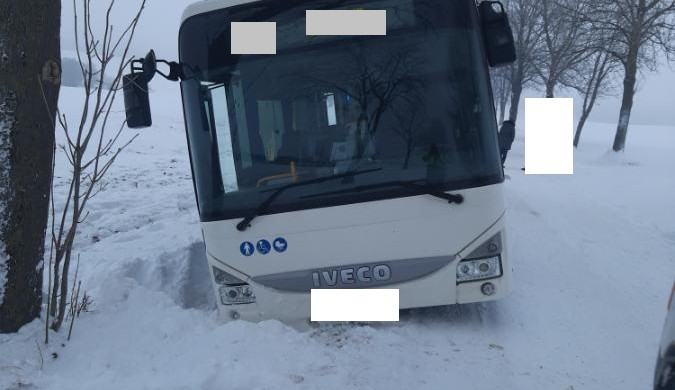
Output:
x=343 y=161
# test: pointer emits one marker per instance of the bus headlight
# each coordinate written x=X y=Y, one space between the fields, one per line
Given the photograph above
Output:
x=479 y=269
x=232 y=290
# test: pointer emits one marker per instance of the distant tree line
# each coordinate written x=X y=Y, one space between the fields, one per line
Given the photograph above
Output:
x=73 y=76
x=595 y=47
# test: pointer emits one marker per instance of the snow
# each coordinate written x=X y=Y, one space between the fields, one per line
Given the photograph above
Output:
x=592 y=257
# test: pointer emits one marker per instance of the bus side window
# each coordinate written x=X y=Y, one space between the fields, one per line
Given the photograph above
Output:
x=221 y=122
x=271 y=127
x=330 y=109
x=243 y=142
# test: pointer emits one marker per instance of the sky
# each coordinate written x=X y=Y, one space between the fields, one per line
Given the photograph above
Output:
x=157 y=30
x=160 y=22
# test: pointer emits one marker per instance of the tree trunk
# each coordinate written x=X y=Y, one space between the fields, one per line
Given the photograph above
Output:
x=30 y=77
x=629 y=81
x=601 y=70
x=550 y=87
x=516 y=91
x=503 y=99
x=580 y=126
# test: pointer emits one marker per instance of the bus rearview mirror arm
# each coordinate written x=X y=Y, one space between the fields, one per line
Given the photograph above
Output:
x=135 y=85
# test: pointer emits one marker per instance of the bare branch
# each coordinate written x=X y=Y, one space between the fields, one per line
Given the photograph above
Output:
x=94 y=56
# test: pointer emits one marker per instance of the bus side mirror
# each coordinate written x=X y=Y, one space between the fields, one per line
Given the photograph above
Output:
x=136 y=98
x=497 y=34
x=136 y=101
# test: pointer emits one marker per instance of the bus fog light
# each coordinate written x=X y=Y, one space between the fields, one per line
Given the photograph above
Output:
x=479 y=269
x=487 y=288
x=236 y=295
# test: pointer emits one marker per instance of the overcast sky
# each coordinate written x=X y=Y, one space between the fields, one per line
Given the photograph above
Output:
x=655 y=102
x=157 y=30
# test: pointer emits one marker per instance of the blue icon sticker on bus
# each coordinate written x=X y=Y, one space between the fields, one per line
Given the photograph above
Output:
x=280 y=245
x=247 y=249
x=264 y=247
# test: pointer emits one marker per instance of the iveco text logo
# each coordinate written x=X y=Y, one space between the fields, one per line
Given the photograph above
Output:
x=364 y=274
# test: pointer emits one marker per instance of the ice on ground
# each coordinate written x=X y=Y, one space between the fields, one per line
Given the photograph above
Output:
x=592 y=256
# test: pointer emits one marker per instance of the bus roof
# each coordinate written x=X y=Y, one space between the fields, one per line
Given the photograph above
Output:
x=204 y=6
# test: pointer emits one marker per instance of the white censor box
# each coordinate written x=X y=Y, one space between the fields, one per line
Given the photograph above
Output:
x=346 y=22
x=354 y=305
x=549 y=134
x=253 y=38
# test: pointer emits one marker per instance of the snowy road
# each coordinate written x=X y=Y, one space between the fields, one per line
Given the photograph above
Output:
x=593 y=253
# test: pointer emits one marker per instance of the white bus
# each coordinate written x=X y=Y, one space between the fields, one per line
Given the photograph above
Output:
x=347 y=161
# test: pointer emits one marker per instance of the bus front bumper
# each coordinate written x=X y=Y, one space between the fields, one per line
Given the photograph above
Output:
x=437 y=289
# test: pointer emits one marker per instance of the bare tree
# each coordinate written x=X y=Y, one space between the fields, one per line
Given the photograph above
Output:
x=501 y=88
x=89 y=149
x=592 y=82
x=565 y=41
x=30 y=77
x=408 y=116
x=643 y=29
x=375 y=82
x=524 y=16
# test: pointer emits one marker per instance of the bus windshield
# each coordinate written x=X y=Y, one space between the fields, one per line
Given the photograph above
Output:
x=413 y=105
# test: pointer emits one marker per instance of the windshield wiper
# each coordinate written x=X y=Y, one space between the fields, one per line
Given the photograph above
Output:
x=426 y=189
x=262 y=208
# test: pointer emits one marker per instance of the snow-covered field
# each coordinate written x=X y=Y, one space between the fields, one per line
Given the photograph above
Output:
x=593 y=254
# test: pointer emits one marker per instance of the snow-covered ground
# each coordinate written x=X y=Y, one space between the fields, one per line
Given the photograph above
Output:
x=593 y=257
